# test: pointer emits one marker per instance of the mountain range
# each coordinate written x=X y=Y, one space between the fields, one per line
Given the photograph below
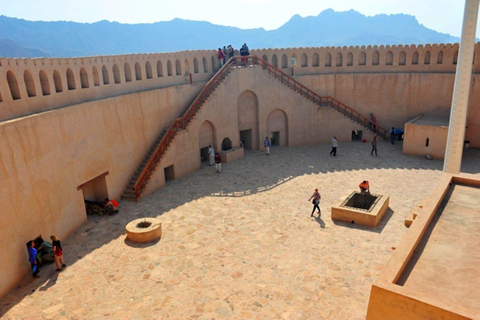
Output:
x=22 y=38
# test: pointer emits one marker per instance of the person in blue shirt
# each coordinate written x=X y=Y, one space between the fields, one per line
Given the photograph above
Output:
x=32 y=257
x=267 y=145
x=392 y=135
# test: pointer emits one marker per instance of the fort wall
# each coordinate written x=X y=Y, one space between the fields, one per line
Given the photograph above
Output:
x=47 y=157
x=104 y=131
x=33 y=85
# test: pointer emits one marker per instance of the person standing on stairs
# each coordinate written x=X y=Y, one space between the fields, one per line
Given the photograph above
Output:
x=221 y=56
x=373 y=124
x=211 y=155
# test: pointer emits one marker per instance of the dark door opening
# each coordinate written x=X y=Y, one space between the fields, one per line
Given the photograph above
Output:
x=275 y=138
x=246 y=139
x=94 y=192
x=169 y=173
x=357 y=135
x=204 y=154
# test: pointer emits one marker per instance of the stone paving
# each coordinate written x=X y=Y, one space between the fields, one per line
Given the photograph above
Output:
x=240 y=244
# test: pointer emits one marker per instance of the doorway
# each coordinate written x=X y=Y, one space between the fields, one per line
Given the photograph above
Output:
x=246 y=139
x=169 y=173
x=357 y=135
x=94 y=191
x=204 y=156
x=275 y=138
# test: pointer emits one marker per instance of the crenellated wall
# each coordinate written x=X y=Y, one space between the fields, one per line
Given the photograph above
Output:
x=32 y=85
x=408 y=58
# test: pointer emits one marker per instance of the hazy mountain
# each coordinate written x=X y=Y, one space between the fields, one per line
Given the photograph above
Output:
x=329 y=28
x=9 y=48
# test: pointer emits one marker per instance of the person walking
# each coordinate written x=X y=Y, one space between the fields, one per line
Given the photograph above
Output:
x=392 y=135
x=316 y=202
x=267 y=145
x=334 y=146
x=374 y=146
x=32 y=257
x=211 y=155
x=218 y=163
x=57 y=249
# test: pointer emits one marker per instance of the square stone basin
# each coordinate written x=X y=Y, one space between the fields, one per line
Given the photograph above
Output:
x=361 y=208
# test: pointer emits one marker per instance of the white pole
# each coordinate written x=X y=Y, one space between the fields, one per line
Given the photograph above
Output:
x=461 y=91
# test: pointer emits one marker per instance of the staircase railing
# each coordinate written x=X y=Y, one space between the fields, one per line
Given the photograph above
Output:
x=181 y=123
x=311 y=95
x=177 y=125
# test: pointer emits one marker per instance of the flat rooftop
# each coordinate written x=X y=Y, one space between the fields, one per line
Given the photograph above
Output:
x=241 y=244
x=445 y=264
x=431 y=120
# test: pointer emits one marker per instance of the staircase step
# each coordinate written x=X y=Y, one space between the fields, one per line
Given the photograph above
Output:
x=129 y=198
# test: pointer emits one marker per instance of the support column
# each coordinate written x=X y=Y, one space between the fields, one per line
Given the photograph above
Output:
x=461 y=92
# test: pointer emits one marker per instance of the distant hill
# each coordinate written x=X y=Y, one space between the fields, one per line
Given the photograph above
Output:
x=9 y=48
x=329 y=28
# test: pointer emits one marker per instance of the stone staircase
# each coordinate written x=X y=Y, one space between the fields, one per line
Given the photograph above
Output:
x=160 y=146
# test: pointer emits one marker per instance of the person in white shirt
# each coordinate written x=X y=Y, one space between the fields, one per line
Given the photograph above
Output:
x=211 y=155
x=334 y=146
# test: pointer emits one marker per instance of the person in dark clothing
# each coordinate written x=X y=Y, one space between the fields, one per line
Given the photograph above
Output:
x=57 y=248
x=374 y=146
x=392 y=135
x=218 y=163
x=316 y=201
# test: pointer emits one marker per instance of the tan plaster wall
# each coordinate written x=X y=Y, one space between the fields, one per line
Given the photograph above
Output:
x=97 y=86
x=415 y=140
x=45 y=157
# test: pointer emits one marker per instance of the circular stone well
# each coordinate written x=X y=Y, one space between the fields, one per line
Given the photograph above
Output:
x=144 y=230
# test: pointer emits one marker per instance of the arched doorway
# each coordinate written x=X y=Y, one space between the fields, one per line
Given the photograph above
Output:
x=206 y=137
x=247 y=113
x=277 y=127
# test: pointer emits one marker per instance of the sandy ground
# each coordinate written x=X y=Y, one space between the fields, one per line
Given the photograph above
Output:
x=240 y=244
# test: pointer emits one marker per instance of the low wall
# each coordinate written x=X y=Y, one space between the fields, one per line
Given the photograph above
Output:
x=392 y=301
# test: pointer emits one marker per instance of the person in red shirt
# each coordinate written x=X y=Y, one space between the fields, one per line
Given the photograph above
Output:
x=111 y=206
x=364 y=186
x=218 y=163
x=221 y=56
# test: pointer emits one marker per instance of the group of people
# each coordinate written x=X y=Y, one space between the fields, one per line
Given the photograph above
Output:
x=38 y=248
x=215 y=159
x=228 y=52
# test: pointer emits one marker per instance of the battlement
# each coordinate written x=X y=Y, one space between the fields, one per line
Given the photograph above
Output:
x=32 y=85
x=352 y=59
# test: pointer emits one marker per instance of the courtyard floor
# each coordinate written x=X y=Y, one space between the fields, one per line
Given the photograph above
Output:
x=240 y=244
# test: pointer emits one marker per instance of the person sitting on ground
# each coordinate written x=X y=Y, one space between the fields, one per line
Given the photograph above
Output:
x=111 y=206
x=364 y=187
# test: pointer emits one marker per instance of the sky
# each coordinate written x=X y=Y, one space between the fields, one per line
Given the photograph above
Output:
x=440 y=15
